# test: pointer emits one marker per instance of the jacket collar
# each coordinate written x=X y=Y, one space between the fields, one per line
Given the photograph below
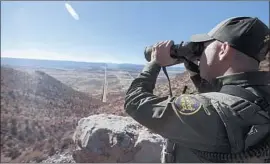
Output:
x=244 y=79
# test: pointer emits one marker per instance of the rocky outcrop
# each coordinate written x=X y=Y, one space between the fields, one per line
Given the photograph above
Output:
x=109 y=138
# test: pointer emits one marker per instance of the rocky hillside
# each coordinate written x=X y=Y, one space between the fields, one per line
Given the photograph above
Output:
x=178 y=84
x=38 y=115
x=114 y=105
x=39 y=90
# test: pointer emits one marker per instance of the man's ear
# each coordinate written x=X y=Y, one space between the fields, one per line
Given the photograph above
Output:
x=225 y=51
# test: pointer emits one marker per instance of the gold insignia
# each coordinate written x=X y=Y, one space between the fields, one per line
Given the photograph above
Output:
x=188 y=105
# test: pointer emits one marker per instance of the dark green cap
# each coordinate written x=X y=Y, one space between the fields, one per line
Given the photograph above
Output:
x=246 y=34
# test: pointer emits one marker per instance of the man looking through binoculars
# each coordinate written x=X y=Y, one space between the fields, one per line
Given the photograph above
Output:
x=228 y=121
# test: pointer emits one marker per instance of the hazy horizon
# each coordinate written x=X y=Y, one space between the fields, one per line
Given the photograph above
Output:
x=66 y=60
x=23 y=62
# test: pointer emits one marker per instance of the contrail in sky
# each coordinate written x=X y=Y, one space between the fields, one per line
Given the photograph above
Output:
x=71 y=11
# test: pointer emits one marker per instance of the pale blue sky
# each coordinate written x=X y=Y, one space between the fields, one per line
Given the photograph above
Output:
x=109 y=31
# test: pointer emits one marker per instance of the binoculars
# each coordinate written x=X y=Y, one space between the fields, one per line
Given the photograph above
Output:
x=188 y=50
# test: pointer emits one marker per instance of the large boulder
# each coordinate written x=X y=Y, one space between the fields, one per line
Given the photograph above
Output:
x=110 y=138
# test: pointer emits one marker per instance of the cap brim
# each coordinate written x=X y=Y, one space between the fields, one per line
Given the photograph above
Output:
x=200 y=38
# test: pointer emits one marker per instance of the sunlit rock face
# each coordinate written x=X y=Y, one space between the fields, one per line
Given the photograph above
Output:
x=109 y=138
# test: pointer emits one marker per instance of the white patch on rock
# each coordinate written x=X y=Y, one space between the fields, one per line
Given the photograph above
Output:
x=60 y=158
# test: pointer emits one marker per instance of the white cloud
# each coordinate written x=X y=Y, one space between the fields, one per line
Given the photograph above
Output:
x=71 y=11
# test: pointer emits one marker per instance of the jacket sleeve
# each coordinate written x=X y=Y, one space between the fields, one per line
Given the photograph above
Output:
x=187 y=119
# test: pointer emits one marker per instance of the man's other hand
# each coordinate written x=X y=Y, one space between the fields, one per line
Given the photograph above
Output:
x=161 y=54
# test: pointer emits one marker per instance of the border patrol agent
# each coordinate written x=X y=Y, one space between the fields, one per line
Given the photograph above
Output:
x=228 y=120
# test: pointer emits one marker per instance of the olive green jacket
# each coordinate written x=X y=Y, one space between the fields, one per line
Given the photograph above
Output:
x=190 y=120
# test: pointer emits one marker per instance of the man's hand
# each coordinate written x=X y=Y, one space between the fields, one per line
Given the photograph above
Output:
x=161 y=54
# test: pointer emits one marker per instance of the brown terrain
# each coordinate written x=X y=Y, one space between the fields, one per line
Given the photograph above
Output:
x=40 y=108
x=38 y=114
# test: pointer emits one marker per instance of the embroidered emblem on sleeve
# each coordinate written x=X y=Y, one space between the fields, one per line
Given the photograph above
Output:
x=187 y=105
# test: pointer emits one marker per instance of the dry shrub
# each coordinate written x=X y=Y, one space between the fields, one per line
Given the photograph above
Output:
x=51 y=151
x=65 y=143
x=34 y=156
x=13 y=153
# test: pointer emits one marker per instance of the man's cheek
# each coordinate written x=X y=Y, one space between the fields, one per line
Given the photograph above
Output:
x=202 y=69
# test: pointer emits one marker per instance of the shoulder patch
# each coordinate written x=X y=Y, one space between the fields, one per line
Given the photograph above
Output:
x=187 y=105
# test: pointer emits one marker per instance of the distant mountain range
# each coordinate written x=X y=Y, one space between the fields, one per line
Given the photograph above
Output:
x=73 y=64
